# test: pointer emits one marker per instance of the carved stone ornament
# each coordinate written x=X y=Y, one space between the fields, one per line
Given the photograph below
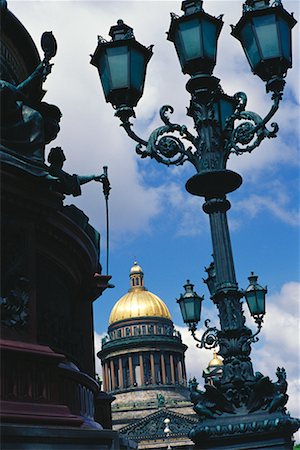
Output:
x=152 y=426
x=14 y=307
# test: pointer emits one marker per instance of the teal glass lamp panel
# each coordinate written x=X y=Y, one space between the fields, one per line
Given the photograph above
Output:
x=251 y=301
x=250 y=46
x=267 y=36
x=104 y=75
x=118 y=63
x=197 y=308
x=227 y=109
x=261 y=303
x=256 y=302
x=285 y=39
x=223 y=109
x=137 y=70
x=190 y=39
x=209 y=33
x=190 y=309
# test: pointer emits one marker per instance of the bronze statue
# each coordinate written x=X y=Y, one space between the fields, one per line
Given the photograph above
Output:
x=66 y=183
x=28 y=125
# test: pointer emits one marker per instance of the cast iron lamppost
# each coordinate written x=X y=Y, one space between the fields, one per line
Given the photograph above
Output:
x=249 y=408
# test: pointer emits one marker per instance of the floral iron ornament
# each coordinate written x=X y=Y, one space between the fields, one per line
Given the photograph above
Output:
x=170 y=150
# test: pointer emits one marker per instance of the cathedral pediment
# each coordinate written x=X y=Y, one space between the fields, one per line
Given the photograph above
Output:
x=152 y=426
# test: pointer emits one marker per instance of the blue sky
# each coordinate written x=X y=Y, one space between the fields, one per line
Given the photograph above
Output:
x=153 y=219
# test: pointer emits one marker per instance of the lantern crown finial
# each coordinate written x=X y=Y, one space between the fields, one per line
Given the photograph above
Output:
x=191 y=6
x=121 y=31
x=252 y=278
x=257 y=4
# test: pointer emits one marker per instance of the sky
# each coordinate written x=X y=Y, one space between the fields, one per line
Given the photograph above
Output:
x=152 y=218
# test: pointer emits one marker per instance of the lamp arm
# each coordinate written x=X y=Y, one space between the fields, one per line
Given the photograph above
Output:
x=251 y=132
x=124 y=113
x=165 y=148
x=127 y=127
x=209 y=339
x=258 y=320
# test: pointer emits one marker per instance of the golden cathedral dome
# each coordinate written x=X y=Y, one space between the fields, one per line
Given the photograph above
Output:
x=138 y=302
x=216 y=361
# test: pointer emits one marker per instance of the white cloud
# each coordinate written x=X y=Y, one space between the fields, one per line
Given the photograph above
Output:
x=256 y=203
x=277 y=202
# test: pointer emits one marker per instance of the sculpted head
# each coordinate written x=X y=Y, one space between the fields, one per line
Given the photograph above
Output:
x=51 y=115
x=56 y=157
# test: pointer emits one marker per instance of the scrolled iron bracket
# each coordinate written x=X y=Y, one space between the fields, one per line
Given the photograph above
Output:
x=163 y=145
x=248 y=135
x=259 y=321
x=209 y=338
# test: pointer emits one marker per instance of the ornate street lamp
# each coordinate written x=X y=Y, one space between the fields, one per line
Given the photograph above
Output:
x=256 y=299
x=190 y=305
x=122 y=66
x=242 y=409
x=195 y=36
x=265 y=34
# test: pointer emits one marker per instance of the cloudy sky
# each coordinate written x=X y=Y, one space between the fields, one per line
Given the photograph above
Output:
x=152 y=218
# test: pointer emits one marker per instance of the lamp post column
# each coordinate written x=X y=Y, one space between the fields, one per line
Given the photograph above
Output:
x=227 y=296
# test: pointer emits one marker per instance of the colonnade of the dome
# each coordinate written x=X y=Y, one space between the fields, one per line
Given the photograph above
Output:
x=143 y=369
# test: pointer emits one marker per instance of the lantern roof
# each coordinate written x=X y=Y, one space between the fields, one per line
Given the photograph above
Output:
x=261 y=11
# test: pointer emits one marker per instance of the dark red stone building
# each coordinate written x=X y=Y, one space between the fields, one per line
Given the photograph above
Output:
x=50 y=276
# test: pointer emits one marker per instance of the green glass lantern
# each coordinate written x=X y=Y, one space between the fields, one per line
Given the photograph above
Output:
x=265 y=34
x=210 y=281
x=195 y=37
x=256 y=297
x=190 y=304
x=224 y=107
x=122 y=65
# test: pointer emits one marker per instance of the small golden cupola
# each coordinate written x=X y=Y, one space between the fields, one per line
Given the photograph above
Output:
x=214 y=370
x=216 y=361
x=136 y=276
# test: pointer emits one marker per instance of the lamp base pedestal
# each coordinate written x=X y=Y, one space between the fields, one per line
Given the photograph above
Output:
x=255 y=431
x=214 y=183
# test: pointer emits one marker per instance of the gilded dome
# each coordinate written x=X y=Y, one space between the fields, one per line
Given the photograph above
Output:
x=138 y=302
x=216 y=361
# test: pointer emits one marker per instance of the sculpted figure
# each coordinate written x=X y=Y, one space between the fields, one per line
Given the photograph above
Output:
x=66 y=183
x=161 y=400
x=27 y=123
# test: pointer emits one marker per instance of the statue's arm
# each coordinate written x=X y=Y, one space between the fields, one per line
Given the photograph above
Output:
x=39 y=75
x=87 y=178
